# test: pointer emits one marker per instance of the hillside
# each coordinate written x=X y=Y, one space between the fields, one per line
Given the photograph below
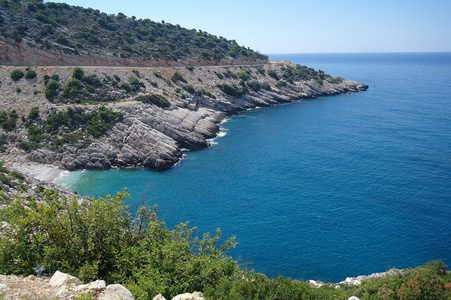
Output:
x=101 y=91
x=69 y=30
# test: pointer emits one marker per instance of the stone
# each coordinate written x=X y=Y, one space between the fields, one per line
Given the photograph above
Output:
x=63 y=279
x=353 y=298
x=159 y=297
x=95 y=286
x=315 y=284
x=3 y=286
x=188 y=296
x=116 y=292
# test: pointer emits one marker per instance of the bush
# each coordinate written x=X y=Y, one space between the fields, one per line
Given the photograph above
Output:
x=72 y=88
x=99 y=239
x=16 y=75
x=158 y=100
x=51 y=89
x=189 y=88
x=78 y=73
x=273 y=74
x=30 y=74
x=178 y=77
x=126 y=87
x=232 y=90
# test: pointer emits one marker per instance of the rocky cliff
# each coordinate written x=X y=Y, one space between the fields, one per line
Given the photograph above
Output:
x=148 y=135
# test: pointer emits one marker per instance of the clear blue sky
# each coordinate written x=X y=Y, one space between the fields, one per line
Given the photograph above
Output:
x=303 y=26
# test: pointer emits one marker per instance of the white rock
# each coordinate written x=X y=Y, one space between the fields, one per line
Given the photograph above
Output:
x=3 y=286
x=60 y=279
x=159 y=297
x=353 y=298
x=116 y=292
x=188 y=296
x=97 y=285
x=315 y=284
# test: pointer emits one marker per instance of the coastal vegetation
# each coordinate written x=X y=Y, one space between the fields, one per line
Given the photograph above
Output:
x=74 y=125
x=77 y=30
x=102 y=238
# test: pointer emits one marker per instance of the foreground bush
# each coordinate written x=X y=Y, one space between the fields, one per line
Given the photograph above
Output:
x=99 y=239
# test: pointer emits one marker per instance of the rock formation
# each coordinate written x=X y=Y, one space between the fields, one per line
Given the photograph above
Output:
x=149 y=136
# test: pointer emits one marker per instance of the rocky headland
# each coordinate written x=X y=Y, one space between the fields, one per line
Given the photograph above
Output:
x=148 y=135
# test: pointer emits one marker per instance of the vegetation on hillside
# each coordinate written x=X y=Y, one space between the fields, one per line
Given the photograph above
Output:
x=99 y=238
x=75 y=30
x=73 y=125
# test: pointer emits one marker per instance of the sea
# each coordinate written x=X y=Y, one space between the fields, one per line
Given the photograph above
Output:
x=319 y=189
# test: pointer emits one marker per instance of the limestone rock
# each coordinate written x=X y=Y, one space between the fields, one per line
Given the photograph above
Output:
x=353 y=298
x=116 y=292
x=159 y=297
x=63 y=279
x=188 y=296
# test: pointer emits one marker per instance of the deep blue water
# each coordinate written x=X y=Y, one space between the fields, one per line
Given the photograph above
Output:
x=326 y=188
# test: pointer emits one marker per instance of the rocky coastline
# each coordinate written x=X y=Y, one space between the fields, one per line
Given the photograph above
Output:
x=149 y=136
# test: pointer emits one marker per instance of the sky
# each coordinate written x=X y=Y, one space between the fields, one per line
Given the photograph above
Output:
x=303 y=26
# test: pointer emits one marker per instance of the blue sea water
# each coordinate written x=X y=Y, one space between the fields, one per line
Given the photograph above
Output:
x=326 y=188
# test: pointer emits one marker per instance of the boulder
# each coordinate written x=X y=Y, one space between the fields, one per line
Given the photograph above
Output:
x=116 y=292
x=188 y=296
x=63 y=279
x=159 y=297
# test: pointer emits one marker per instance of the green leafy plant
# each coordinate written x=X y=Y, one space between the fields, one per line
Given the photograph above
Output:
x=158 y=100
x=30 y=74
x=178 y=77
x=232 y=90
x=17 y=75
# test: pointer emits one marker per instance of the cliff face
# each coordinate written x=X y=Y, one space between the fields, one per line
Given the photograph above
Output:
x=15 y=53
x=147 y=136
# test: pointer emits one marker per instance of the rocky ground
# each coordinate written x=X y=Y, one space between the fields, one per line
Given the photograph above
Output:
x=150 y=136
x=65 y=286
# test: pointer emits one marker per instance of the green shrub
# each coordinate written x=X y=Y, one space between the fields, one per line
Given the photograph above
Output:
x=244 y=76
x=17 y=75
x=232 y=90
x=78 y=73
x=126 y=87
x=189 y=88
x=91 y=80
x=335 y=80
x=30 y=74
x=273 y=74
x=178 y=77
x=158 y=100
x=28 y=146
x=51 y=89
x=99 y=239
x=72 y=88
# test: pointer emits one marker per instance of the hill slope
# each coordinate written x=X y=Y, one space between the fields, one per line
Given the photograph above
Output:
x=61 y=28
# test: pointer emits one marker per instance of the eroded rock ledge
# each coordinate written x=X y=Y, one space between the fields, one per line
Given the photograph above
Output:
x=149 y=136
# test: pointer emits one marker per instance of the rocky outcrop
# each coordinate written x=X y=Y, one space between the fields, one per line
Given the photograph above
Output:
x=65 y=286
x=149 y=136
x=59 y=286
x=356 y=281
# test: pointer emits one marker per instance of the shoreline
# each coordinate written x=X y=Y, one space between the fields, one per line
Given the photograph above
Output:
x=43 y=172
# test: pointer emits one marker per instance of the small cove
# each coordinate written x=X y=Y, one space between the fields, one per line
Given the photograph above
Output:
x=326 y=188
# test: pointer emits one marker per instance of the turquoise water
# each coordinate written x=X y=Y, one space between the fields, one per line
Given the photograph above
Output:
x=326 y=188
